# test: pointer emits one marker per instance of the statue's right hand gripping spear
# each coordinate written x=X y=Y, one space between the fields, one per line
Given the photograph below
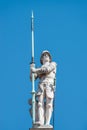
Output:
x=33 y=65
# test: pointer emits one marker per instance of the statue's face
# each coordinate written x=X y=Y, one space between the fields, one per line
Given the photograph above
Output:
x=46 y=58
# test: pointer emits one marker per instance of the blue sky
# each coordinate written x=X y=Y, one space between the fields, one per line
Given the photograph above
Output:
x=61 y=28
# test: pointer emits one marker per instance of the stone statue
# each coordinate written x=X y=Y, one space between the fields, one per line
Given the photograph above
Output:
x=45 y=93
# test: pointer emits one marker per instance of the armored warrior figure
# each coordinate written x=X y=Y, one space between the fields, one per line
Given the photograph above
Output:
x=45 y=93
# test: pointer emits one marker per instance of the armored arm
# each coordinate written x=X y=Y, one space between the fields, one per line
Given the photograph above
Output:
x=45 y=69
x=50 y=67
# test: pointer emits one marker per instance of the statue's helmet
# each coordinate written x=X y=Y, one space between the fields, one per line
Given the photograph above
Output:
x=44 y=52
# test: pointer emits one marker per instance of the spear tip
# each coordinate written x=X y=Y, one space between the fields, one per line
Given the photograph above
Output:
x=32 y=14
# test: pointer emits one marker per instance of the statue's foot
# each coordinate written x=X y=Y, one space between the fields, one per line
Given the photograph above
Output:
x=37 y=123
x=48 y=126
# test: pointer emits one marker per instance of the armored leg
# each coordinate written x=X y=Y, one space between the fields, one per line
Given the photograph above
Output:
x=41 y=109
x=49 y=108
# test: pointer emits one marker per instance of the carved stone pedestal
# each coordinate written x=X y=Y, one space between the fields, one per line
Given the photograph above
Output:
x=41 y=129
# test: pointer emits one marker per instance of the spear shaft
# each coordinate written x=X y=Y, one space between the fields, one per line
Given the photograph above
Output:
x=33 y=83
x=32 y=30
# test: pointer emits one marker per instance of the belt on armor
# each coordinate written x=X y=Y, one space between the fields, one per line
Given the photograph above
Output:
x=46 y=78
x=46 y=83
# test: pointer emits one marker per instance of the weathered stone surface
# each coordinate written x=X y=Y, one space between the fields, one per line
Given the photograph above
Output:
x=46 y=87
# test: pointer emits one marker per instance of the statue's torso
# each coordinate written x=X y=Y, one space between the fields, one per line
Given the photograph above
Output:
x=48 y=77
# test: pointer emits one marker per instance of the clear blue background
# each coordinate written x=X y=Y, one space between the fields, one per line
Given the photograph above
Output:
x=61 y=28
